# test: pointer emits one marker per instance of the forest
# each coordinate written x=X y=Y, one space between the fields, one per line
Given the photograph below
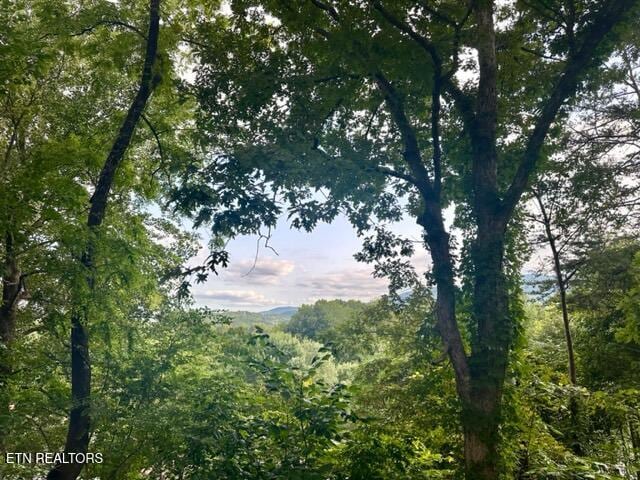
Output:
x=484 y=156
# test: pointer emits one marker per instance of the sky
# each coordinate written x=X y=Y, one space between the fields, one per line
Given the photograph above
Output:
x=306 y=268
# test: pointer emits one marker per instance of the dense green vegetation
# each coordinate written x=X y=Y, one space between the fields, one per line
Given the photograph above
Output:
x=505 y=131
x=184 y=393
x=249 y=319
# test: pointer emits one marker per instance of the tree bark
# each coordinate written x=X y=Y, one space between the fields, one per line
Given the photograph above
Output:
x=80 y=414
x=481 y=415
x=437 y=239
x=488 y=362
x=11 y=289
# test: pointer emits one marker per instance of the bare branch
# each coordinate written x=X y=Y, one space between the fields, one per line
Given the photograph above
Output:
x=155 y=134
x=266 y=238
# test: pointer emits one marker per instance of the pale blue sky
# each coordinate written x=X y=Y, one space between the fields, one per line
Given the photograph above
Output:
x=308 y=267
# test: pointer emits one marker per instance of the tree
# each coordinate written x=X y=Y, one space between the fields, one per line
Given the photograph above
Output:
x=577 y=211
x=65 y=77
x=359 y=99
x=587 y=198
x=324 y=320
x=79 y=415
x=26 y=83
x=604 y=299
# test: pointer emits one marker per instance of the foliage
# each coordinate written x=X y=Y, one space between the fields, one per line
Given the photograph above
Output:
x=272 y=107
x=325 y=321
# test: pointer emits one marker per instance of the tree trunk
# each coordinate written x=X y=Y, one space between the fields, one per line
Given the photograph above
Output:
x=11 y=288
x=562 y=289
x=635 y=444
x=480 y=449
x=80 y=414
x=480 y=384
x=573 y=437
x=437 y=239
x=488 y=363
x=567 y=331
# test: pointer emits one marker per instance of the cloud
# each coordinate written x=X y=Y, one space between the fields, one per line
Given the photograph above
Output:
x=421 y=260
x=356 y=284
x=247 y=298
x=263 y=268
x=266 y=271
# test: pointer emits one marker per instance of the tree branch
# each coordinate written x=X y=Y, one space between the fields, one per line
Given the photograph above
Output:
x=333 y=13
x=405 y=28
x=411 y=152
x=456 y=42
x=438 y=14
x=463 y=102
x=393 y=173
x=148 y=82
x=540 y=54
x=566 y=85
x=117 y=23
x=155 y=134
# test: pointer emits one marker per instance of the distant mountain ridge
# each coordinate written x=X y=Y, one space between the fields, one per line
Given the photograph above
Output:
x=536 y=286
x=284 y=311
x=273 y=316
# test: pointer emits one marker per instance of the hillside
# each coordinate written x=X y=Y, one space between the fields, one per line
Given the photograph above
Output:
x=275 y=316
